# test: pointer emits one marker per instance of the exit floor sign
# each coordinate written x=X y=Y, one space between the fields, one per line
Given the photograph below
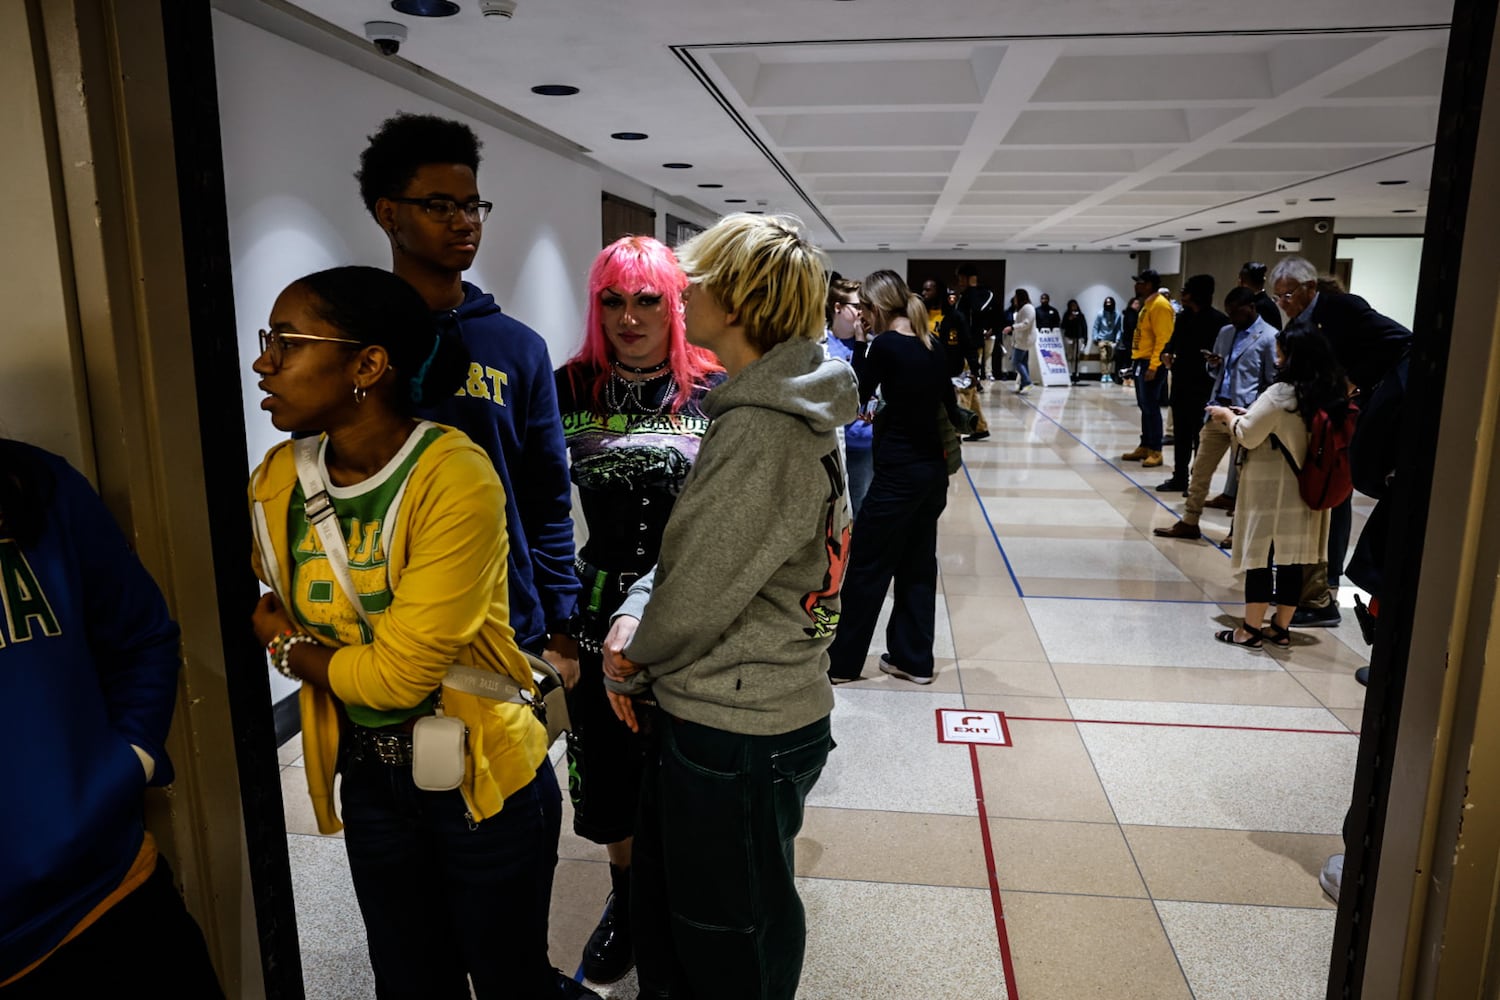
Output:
x=967 y=725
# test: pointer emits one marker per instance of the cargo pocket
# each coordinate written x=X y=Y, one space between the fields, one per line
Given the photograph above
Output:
x=706 y=826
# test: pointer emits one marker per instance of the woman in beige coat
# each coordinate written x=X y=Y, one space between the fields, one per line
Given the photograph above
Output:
x=1272 y=523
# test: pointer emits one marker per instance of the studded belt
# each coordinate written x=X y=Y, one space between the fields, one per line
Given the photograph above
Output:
x=380 y=745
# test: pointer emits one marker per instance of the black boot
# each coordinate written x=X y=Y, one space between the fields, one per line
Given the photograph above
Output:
x=608 y=955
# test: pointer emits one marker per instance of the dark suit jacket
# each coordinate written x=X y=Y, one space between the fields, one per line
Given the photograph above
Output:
x=1366 y=343
x=1192 y=334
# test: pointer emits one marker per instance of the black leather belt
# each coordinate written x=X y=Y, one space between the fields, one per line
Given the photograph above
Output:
x=385 y=746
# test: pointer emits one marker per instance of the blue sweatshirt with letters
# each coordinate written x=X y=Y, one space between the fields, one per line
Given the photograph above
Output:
x=88 y=666
x=508 y=406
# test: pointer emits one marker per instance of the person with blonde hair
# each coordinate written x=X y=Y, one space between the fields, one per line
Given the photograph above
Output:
x=895 y=535
x=728 y=634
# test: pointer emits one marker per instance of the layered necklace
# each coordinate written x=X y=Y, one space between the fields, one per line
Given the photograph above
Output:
x=628 y=396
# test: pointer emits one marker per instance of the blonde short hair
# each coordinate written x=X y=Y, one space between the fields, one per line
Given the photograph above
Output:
x=760 y=268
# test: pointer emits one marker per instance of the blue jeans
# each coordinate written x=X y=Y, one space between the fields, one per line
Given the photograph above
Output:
x=443 y=903
x=713 y=895
x=861 y=465
x=1023 y=367
x=1148 y=398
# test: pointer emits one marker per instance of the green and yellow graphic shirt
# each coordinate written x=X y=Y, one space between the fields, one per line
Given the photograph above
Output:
x=364 y=511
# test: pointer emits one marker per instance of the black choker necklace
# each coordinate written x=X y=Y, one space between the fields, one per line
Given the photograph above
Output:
x=651 y=370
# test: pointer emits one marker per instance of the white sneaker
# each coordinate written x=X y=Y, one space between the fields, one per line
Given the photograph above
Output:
x=886 y=666
x=1331 y=878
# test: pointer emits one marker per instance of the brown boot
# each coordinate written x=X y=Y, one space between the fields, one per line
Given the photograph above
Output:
x=1179 y=530
x=1152 y=460
x=1136 y=456
x=1221 y=502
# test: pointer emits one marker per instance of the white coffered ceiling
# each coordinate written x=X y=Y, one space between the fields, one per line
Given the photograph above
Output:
x=1010 y=125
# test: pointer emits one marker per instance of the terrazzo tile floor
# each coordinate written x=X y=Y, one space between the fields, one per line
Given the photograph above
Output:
x=1155 y=829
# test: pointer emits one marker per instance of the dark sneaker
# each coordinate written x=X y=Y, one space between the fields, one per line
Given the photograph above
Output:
x=978 y=436
x=1366 y=621
x=1173 y=485
x=886 y=666
x=1327 y=617
x=1362 y=675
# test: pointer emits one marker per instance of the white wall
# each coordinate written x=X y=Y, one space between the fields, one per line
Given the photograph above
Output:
x=1384 y=272
x=293 y=123
x=1087 y=277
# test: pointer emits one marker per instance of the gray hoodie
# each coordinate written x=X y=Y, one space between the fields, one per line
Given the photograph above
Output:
x=737 y=616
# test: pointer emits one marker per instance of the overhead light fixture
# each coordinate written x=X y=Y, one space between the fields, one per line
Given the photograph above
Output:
x=1268 y=211
x=710 y=185
x=628 y=136
x=1192 y=229
x=1322 y=198
x=1404 y=211
x=735 y=201
x=555 y=90
x=1226 y=222
x=1391 y=183
x=678 y=166
x=425 y=8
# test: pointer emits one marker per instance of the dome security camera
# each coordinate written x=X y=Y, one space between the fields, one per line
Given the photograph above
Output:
x=1322 y=226
x=386 y=36
x=498 y=8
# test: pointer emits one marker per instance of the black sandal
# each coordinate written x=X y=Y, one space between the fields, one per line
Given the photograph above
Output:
x=1279 y=637
x=1256 y=636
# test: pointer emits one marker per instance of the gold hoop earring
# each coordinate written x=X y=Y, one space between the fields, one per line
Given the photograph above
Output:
x=359 y=393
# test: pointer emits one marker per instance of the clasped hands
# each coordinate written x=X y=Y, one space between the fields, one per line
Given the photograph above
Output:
x=619 y=667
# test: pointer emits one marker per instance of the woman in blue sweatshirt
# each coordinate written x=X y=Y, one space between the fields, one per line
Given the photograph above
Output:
x=88 y=662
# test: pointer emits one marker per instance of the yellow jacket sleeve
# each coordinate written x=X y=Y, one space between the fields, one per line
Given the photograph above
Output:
x=445 y=562
x=1155 y=328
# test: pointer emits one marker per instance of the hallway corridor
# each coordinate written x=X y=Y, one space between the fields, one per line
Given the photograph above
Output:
x=1154 y=831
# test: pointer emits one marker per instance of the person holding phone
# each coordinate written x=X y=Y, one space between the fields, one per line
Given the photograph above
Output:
x=1243 y=365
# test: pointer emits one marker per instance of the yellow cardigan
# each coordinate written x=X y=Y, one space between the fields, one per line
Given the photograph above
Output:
x=446 y=564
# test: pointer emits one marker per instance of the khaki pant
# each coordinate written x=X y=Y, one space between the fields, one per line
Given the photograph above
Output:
x=969 y=400
x=1213 y=442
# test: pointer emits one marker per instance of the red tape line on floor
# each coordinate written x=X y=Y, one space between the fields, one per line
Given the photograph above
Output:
x=989 y=864
x=1184 y=725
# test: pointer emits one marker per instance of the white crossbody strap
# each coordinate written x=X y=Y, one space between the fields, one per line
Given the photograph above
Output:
x=324 y=519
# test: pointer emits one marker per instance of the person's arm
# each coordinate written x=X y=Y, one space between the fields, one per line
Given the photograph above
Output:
x=133 y=637
x=744 y=512
x=867 y=370
x=457 y=547
x=1251 y=428
x=544 y=499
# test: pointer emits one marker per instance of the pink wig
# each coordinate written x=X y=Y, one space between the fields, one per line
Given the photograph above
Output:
x=634 y=264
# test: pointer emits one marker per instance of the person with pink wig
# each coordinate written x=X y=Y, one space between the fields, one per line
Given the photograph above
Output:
x=630 y=403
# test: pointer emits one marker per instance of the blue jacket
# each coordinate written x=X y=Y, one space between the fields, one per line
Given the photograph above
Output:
x=508 y=406
x=858 y=434
x=88 y=665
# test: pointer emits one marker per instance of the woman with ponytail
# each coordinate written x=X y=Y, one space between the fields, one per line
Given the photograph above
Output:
x=895 y=533
x=454 y=890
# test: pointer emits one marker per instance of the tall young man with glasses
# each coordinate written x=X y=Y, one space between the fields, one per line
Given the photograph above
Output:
x=418 y=178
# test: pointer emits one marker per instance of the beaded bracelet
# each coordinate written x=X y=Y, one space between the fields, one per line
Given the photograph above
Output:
x=279 y=649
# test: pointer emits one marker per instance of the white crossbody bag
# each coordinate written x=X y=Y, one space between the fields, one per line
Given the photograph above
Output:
x=439 y=743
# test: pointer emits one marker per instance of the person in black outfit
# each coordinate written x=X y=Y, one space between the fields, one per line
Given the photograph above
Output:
x=1047 y=316
x=1075 y=331
x=895 y=534
x=1193 y=337
x=1253 y=277
x=960 y=350
x=1128 y=320
x=977 y=304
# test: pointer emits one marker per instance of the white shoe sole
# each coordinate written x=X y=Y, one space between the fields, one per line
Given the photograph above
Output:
x=890 y=668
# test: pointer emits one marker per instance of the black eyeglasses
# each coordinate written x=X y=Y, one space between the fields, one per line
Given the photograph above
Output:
x=274 y=343
x=443 y=209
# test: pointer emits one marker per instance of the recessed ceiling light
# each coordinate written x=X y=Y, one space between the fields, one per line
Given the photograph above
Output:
x=555 y=90
x=425 y=8
x=710 y=185
x=882 y=246
x=1323 y=198
x=754 y=211
x=628 y=136
x=1168 y=236
x=1391 y=183
x=1268 y=211
x=678 y=166
x=735 y=201
x=1226 y=222
x=1404 y=211
x=1041 y=246
x=1192 y=229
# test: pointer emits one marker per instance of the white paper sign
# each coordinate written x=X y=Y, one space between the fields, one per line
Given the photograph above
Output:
x=1048 y=359
x=967 y=725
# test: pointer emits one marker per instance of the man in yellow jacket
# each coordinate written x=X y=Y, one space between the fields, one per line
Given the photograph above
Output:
x=1152 y=331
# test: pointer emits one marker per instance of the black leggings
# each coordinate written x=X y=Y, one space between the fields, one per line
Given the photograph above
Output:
x=1288 y=587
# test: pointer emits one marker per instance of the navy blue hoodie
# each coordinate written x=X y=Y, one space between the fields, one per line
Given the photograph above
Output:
x=88 y=666
x=508 y=406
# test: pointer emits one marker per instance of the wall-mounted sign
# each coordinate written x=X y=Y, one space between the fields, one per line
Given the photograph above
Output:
x=1288 y=244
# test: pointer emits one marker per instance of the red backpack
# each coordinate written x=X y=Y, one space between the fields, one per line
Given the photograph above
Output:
x=1325 y=480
